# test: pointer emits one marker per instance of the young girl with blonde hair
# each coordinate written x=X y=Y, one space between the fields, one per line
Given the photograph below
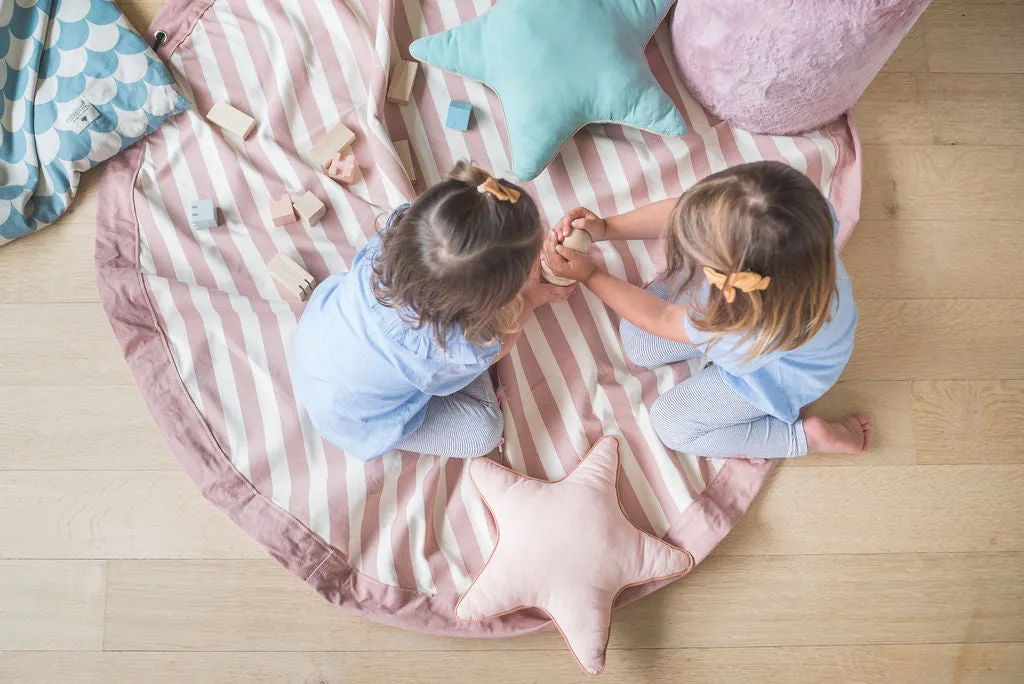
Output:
x=753 y=283
x=395 y=353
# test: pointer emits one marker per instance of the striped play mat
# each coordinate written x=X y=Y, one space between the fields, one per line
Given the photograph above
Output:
x=207 y=331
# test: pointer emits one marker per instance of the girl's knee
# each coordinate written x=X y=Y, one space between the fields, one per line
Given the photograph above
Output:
x=495 y=429
x=672 y=426
x=487 y=436
x=633 y=344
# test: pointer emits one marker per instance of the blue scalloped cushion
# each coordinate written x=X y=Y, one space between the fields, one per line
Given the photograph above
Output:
x=58 y=57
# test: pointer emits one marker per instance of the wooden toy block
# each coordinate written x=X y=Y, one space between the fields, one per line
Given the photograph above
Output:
x=344 y=169
x=292 y=286
x=282 y=212
x=288 y=266
x=202 y=214
x=299 y=276
x=305 y=282
x=403 y=77
x=459 y=114
x=405 y=154
x=295 y=280
x=231 y=120
x=310 y=207
x=332 y=143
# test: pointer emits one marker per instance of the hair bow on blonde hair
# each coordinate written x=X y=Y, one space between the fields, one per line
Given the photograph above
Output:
x=745 y=281
x=493 y=186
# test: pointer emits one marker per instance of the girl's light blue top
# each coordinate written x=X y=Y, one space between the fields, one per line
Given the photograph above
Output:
x=363 y=373
x=782 y=382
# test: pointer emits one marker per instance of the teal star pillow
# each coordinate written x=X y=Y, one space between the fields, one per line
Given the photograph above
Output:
x=558 y=65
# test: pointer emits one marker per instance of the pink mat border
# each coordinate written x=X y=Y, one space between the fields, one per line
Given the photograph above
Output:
x=133 y=317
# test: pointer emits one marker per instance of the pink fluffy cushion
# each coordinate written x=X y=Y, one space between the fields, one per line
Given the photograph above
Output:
x=785 y=67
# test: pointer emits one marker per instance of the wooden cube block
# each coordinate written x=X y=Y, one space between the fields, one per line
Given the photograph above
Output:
x=231 y=120
x=459 y=114
x=332 y=143
x=202 y=214
x=344 y=169
x=310 y=207
x=405 y=154
x=292 y=277
x=403 y=77
x=281 y=211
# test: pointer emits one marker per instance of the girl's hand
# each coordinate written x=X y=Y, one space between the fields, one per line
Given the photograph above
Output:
x=566 y=263
x=538 y=293
x=580 y=218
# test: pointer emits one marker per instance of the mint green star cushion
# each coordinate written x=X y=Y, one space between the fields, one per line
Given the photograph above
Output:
x=558 y=65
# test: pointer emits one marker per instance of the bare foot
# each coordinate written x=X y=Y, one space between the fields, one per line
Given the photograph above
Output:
x=850 y=435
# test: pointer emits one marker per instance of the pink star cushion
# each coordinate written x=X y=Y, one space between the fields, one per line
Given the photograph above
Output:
x=567 y=548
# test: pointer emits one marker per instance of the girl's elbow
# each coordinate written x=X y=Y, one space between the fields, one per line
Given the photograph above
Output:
x=671 y=325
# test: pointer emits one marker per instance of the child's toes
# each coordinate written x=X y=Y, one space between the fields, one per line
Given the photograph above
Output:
x=865 y=425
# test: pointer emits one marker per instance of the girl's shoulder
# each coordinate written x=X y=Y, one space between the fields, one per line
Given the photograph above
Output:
x=401 y=328
x=432 y=367
x=732 y=350
x=368 y=253
x=421 y=341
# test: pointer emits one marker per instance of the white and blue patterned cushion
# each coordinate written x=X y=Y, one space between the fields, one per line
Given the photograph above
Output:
x=59 y=57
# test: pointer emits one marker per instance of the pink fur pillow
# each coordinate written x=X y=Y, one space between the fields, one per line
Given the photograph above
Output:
x=785 y=67
x=567 y=548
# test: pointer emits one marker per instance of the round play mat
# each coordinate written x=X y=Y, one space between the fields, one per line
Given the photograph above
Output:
x=206 y=329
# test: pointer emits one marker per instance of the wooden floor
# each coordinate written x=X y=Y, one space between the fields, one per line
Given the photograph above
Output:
x=904 y=565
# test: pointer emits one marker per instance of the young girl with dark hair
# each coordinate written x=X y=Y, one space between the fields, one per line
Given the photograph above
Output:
x=395 y=353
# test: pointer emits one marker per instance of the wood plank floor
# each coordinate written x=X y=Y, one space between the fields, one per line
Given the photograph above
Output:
x=904 y=565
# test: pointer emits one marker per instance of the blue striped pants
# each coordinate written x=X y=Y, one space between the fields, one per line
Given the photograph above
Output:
x=704 y=415
x=465 y=424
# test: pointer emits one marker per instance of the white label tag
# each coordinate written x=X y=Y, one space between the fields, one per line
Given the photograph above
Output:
x=81 y=116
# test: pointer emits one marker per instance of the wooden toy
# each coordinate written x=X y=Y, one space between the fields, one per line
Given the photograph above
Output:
x=203 y=214
x=310 y=207
x=459 y=114
x=405 y=154
x=344 y=169
x=578 y=241
x=332 y=143
x=281 y=211
x=403 y=77
x=295 y=280
x=231 y=120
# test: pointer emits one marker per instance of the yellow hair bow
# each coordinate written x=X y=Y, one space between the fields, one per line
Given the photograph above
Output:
x=496 y=188
x=728 y=284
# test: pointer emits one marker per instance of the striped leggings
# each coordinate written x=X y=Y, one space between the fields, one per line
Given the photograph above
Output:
x=465 y=424
x=703 y=415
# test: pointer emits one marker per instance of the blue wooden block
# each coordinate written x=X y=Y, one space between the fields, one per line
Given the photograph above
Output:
x=459 y=114
x=203 y=214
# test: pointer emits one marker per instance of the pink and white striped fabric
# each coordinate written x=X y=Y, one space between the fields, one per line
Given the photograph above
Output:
x=206 y=330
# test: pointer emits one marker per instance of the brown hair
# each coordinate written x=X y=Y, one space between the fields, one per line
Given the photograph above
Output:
x=770 y=219
x=458 y=257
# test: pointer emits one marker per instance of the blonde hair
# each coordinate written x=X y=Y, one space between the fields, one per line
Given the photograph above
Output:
x=458 y=257
x=766 y=218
